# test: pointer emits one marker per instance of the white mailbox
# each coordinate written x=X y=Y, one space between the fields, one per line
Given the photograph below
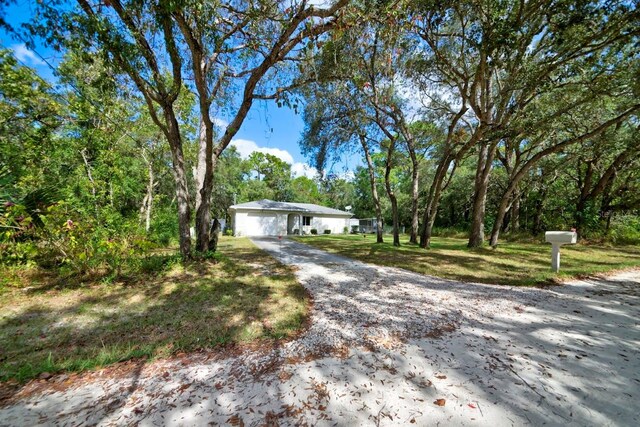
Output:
x=557 y=239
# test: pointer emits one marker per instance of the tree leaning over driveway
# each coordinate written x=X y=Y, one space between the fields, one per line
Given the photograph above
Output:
x=235 y=52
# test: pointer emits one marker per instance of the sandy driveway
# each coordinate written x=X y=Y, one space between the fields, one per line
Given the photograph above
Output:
x=386 y=346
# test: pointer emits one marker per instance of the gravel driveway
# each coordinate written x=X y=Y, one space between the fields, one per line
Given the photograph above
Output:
x=386 y=346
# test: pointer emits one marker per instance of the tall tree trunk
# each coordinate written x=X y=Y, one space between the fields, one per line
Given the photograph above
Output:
x=204 y=184
x=503 y=207
x=415 y=178
x=182 y=185
x=147 y=203
x=483 y=172
x=394 y=212
x=433 y=201
x=437 y=185
x=374 y=189
x=515 y=213
x=392 y=196
x=507 y=203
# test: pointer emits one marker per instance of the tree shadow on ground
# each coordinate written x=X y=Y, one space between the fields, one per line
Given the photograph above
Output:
x=566 y=355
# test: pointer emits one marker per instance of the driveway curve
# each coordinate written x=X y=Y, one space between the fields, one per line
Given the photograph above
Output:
x=390 y=347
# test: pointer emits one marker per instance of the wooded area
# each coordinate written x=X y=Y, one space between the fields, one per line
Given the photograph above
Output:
x=480 y=116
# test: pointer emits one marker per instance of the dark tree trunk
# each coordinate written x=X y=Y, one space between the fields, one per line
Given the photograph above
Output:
x=483 y=173
x=503 y=208
x=515 y=213
x=214 y=234
x=204 y=187
x=394 y=214
x=391 y=193
x=433 y=200
x=415 y=182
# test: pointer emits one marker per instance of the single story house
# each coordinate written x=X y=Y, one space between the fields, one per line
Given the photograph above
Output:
x=269 y=218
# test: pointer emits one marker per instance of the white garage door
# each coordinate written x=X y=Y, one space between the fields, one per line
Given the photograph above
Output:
x=261 y=224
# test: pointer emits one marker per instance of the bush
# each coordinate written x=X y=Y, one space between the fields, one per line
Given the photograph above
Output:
x=327 y=231
x=164 y=226
x=228 y=232
x=76 y=243
x=345 y=230
x=625 y=229
x=314 y=231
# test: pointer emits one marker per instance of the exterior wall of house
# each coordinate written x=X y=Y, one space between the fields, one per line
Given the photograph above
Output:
x=334 y=223
x=259 y=223
x=247 y=223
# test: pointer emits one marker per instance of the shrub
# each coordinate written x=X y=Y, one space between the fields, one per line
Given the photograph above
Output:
x=345 y=230
x=228 y=232
x=327 y=231
x=625 y=229
x=164 y=226
x=314 y=231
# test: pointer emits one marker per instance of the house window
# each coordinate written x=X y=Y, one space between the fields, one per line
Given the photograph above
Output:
x=306 y=220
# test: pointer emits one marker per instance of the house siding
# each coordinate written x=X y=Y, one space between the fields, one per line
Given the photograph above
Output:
x=256 y=223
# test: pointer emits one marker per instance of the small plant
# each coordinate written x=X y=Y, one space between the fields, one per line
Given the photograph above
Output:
x=314 y=231
x=345 y=230
x=228 y=232
x=327 y=231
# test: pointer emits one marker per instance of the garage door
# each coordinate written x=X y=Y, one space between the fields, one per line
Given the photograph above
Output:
x=261 y=224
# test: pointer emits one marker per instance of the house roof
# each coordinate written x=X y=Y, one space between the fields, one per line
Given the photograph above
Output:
x=303 y=208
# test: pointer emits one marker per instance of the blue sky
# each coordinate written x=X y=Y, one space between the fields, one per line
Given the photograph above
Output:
x=267 y=128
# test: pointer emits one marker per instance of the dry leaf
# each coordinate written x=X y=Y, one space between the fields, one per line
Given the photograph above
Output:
x=439 y=402
x=235 y=421
x=471 y=405
x=441 y=377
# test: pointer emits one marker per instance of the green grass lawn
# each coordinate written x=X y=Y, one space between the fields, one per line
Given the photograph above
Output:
x=49 y=325
x=512 y=263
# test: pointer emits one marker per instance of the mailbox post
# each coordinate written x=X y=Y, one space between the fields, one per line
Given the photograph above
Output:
x=557 y=239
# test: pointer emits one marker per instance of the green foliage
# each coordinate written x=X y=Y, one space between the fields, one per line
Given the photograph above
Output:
x=327 y=231
x=164 y=228
x=625 y=229
x=314 y=231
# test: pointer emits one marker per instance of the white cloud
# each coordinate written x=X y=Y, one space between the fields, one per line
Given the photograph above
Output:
x=25 y=55
x=348 y=175
x=303 y=169
x=245 y=147
x=221 y=123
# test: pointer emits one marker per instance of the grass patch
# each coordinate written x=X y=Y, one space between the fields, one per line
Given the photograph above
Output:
x=512 y=263
x=51 y=324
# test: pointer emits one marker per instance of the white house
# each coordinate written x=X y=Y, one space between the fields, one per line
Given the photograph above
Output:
x=269 y=218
